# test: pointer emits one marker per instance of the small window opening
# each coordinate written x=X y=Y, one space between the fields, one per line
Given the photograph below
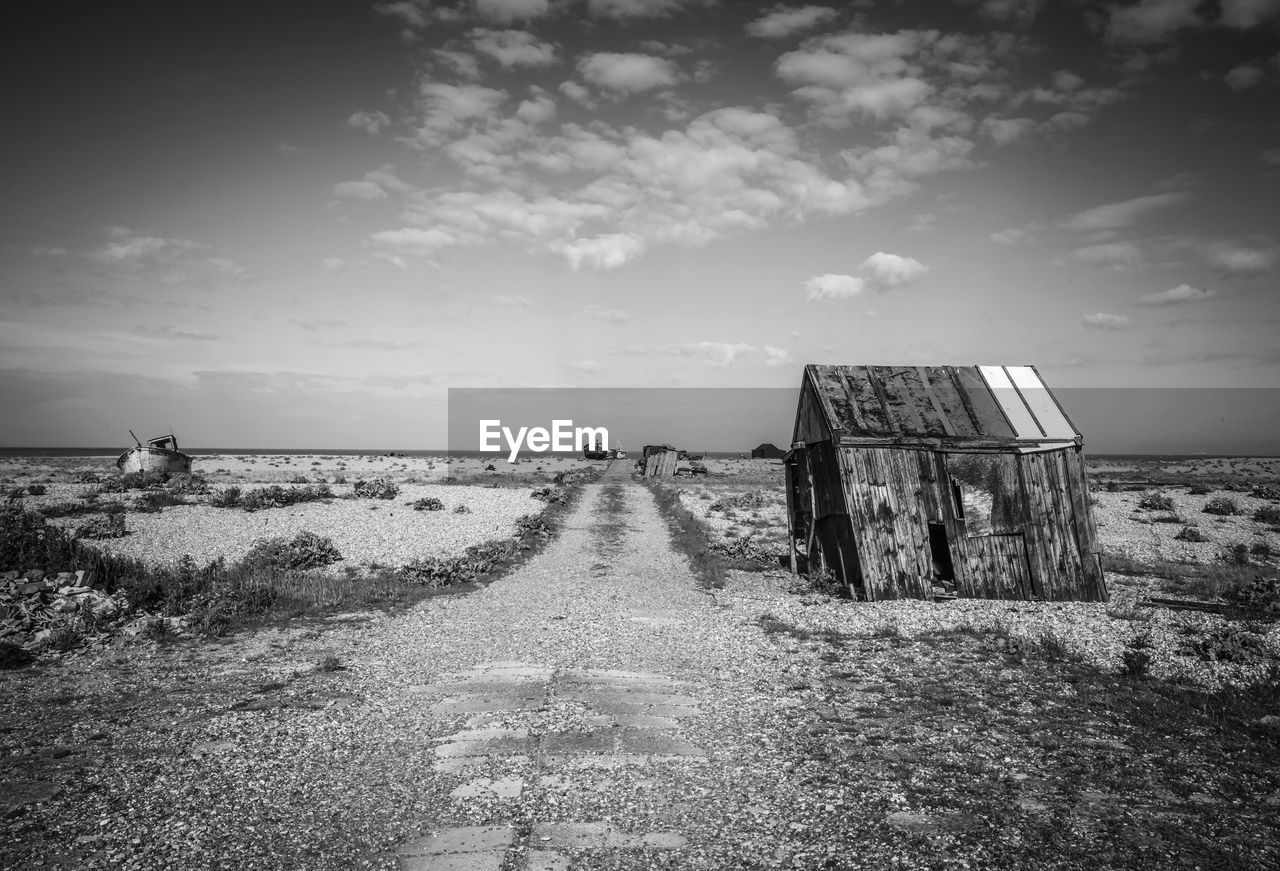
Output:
x=957 y=500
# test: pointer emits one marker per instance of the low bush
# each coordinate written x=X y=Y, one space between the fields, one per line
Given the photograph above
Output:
x=1190 y=533
x=550 y=495
x=37 y=489
x=102 y=526
x=134 y=481
x=1228 y=642
x=1237 y=555
x=1199 y=490
x=1221 y=505
x=227 y=497
x=427 y=503
x=1267 y=514
x=188 y=484
x=306 y=550
x=460 y=508
x=1262 y=550
x=378 y=488
x=1156 y=502
x=1135 y=659
x=152 y=501
x=275 y=496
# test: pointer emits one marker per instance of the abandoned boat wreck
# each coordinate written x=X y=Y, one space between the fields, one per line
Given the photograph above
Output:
x=939 y=481
x=159 y=454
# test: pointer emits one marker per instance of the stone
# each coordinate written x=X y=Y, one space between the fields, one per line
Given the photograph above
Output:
x=35 y=574
x=463 y=839
x=547 y=860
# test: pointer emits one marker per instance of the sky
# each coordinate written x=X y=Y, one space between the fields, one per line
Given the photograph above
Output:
x=299 y=224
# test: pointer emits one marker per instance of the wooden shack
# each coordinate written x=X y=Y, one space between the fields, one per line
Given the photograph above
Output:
x=937 y=481
x=767 y=451
x=659 y=461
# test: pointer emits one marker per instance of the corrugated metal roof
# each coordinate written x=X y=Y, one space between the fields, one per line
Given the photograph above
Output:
x=952 y=403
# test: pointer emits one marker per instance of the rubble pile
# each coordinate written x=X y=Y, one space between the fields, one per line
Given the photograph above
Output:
x=35 y=608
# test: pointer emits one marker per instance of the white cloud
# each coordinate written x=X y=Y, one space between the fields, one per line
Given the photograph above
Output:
x=578 y=94
x=333 y=264
x=462 y=64
x=1105 y=321
x=1245 y=14
x=1237 y=258
x=514 y=48
x=416 y=239
x=1180 y=294
x=776 y=356
x=848 y=74
x=609 y=315
x=394 y=259
x=786 y=21
x=627 y=73
x=720 y=354
x=891 y=270
x=588 y=367
x=1065 y=80
x=602 y=252
x=168 y=260
x=1019 y=13
x=506 y=11
x=1151 y=21
x=372 y=123
x=1271 y=156
x=834 y=286
x=1121 y=214
x=629 y=9
x=446 y=108
x=1244 y=77
x=1003 y=131
x=373 y=185
x=512 y=300
x=178 y=332
x=413 y=14
x=1117 y=255
x=538 y=108
x=359 y=190
x=1011 y=237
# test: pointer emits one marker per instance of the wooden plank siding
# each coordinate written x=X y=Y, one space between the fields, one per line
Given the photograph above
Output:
x=883 y=489
x=998 y=566
x=661 y=464
x=810 y=426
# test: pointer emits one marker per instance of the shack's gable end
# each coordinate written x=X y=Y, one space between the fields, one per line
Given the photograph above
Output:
x=993 y=405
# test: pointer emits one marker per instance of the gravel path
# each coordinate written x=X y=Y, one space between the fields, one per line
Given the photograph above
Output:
x=584 y=705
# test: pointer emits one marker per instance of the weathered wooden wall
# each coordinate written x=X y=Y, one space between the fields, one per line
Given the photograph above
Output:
x=661 y=464
x=872 y=507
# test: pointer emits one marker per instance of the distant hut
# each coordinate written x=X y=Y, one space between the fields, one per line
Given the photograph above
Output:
x=767 y=451
x=935 y=481
x=659 y=461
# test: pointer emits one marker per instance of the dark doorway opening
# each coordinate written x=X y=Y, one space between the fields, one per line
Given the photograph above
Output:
x=940 y=550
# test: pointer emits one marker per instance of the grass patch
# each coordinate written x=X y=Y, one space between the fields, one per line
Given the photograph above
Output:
x=275 y=580
x=689 y=536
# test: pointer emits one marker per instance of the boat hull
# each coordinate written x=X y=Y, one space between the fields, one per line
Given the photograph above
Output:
x=149 y=459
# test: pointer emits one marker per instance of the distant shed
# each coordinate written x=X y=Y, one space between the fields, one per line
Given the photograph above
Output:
x=921 y=481
x=767 y=451
x=659 y=461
